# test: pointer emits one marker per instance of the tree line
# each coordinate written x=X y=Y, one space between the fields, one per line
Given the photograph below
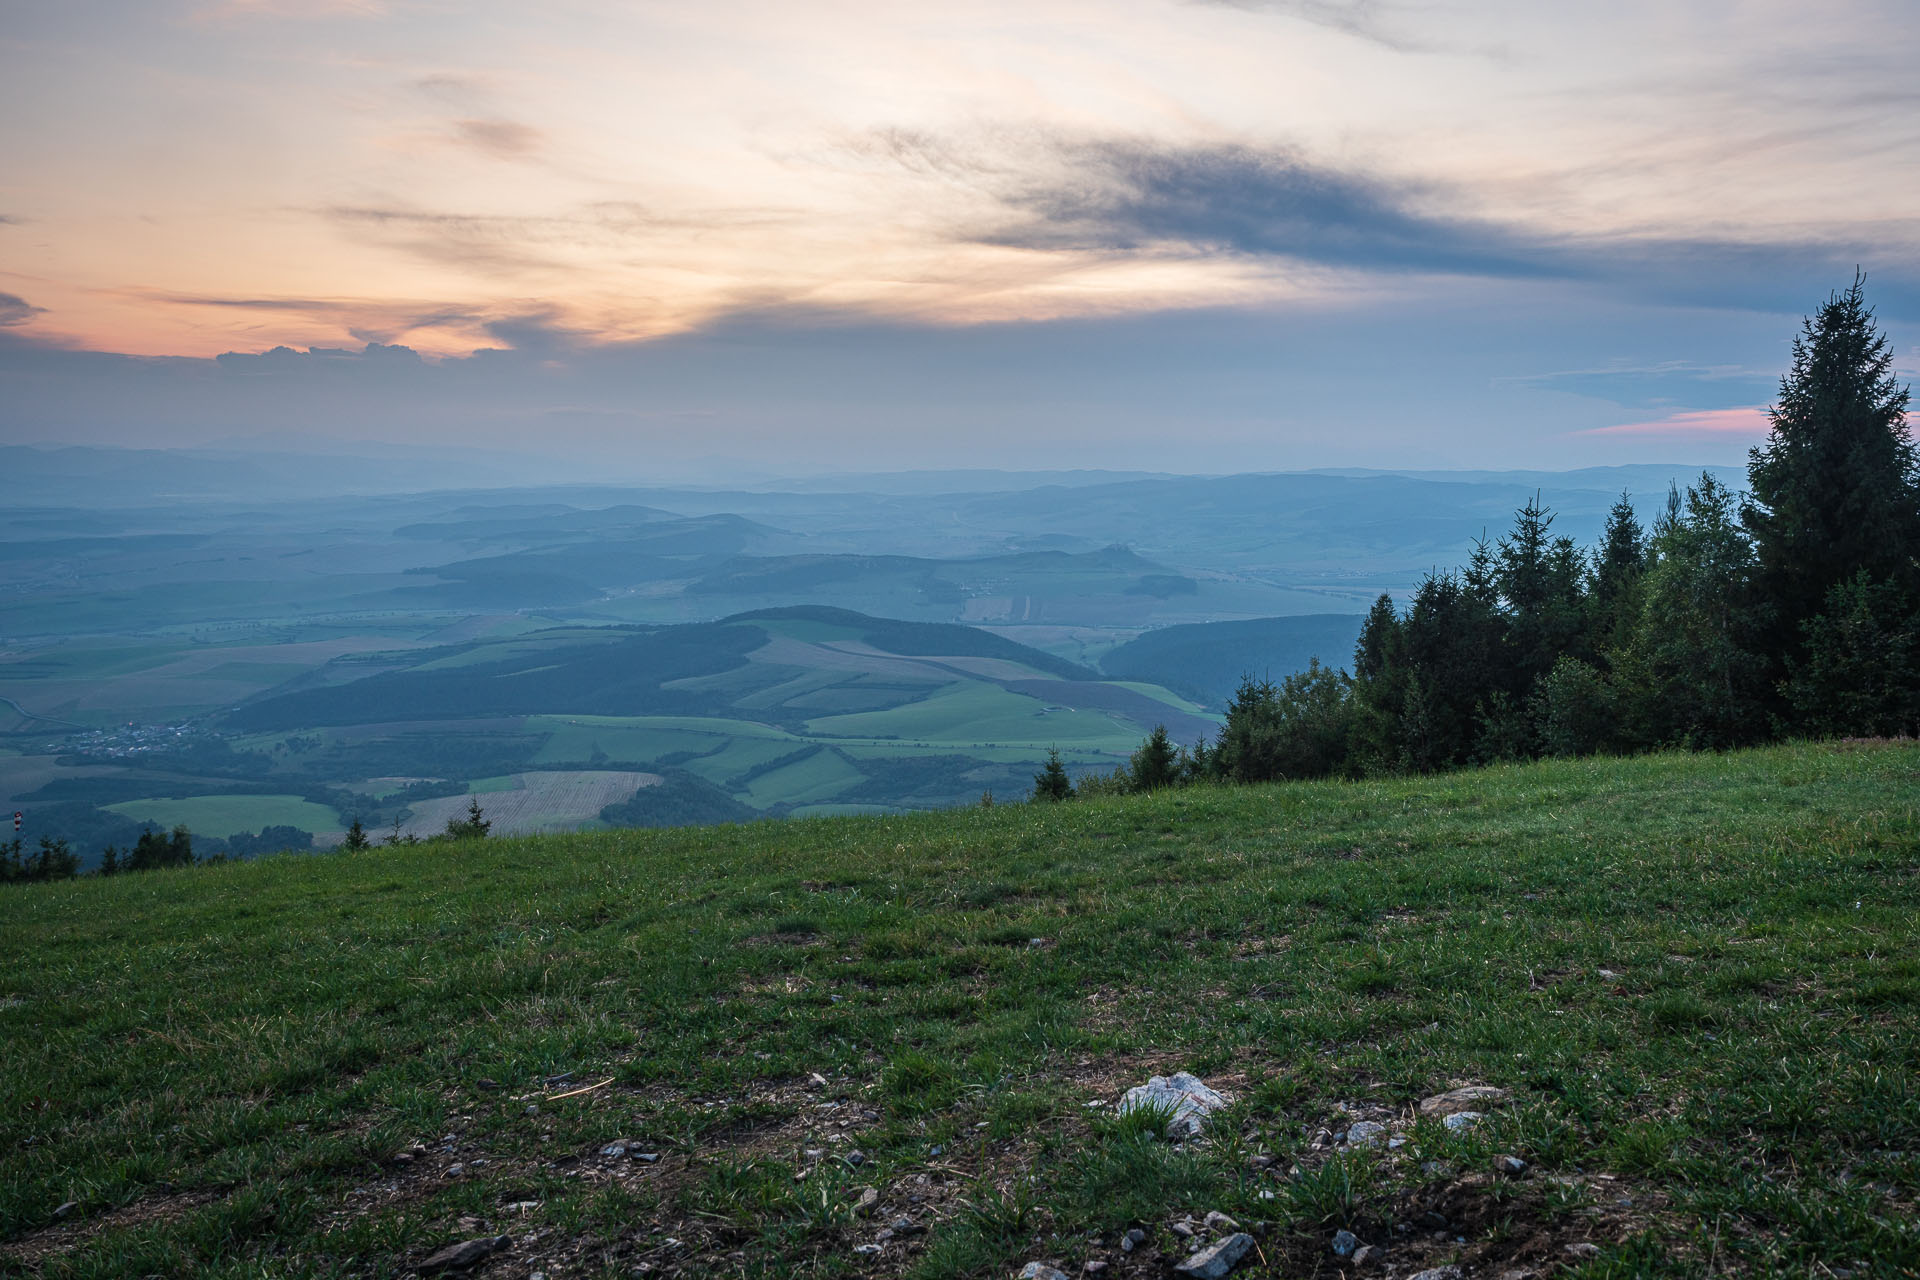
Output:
x=156 y=850
x=1792 y=610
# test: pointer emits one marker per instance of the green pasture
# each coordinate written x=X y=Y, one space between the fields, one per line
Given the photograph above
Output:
x=821 y=776
x=970 y=712
x=217 y=815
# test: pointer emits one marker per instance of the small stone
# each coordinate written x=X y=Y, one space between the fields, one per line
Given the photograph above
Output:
x=1473 y=1097
x=1215 y=1261
x=1583 y=1249
x=1182 y=1229
x=488 y=1084
x=817 y=1080
x=465 y=1255
x=614 y=1149
x=866 y=1250
x=455 y=1170
x=868 y=1198
x=1036 y=942
x=1263 y=1162
x=66 y=1208
x=1366 y=1133
x=1438 y=1273
x=1509 y=1166
x=645 y=1157
x=1132 y=1240
x=533 y=1108
x=813 y=1153
x=1218 y=1221
x=1366 y=1255
x=1345 y=1243
x=856 y=1158
x=1187 y=1099
x=1461 y=1121
x=1041 y=1271
x=403 y=1157
x=905 y=1226
x=936 y=1151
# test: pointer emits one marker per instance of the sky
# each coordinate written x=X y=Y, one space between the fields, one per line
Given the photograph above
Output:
x=685 y=240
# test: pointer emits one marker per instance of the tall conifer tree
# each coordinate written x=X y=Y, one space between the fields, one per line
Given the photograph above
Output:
x=1836 y=486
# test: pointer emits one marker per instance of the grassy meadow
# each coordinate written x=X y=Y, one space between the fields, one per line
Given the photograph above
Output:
x=1696 y=975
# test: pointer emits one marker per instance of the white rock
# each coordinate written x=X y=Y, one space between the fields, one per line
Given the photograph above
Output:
x=1215 y=1261
x=1041 y=1271
x=1461 y=1121
x=1438 y=1273
x=1366 y=1133
x=1185 y=1096
x=1345 y=1243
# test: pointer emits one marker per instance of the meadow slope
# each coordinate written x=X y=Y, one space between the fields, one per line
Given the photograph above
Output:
x=1696 y=975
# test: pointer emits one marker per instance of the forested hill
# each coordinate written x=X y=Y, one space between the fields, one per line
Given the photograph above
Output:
x=1207 y=661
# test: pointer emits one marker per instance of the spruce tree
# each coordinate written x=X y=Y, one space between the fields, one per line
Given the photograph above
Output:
x=1052 y=782
x=1836 y=486
x=1380 y=678
x=1617 y=568
x=1156 y=763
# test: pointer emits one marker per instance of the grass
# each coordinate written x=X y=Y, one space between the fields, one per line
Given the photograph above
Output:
x=225 y=815
x=974 y=713
x=1697 y=975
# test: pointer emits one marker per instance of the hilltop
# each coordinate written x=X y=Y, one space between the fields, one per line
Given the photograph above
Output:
x=690 y=1052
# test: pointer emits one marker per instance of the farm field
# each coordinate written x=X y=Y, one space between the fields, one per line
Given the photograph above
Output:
x=226 y=815
x=1686 y=985
x=533 y=802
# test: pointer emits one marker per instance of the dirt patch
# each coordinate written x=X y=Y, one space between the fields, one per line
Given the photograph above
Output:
x=35 y=1247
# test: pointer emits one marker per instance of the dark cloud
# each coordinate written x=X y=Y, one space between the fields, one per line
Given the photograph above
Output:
x=1132 y=199
x=505 y=139
x=1129 y=197
x=16 y=310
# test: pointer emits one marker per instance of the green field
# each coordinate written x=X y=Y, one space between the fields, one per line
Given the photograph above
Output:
x=225 y=815
x=973 y=713
x=1696 y=976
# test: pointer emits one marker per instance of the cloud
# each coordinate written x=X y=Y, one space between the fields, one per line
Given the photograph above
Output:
x=1363 y=19
x=1132 y=197
x=1135 y=198
x=1661 y=385
x=506 y=139
x=231 y=9
x=16 y=310
x=1696 y=424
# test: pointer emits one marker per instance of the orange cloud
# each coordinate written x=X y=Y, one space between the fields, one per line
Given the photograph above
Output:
x=1700 y=423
